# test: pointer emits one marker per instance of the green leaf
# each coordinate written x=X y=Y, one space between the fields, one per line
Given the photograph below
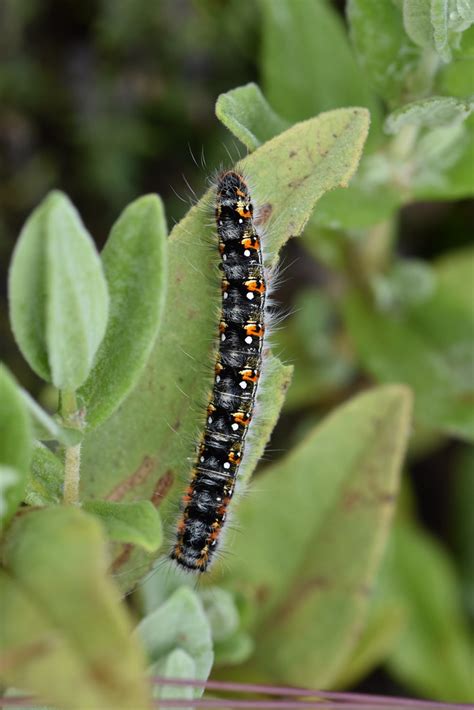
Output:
x=58 y=294
x=456 y=78
x=388 y=57
x=443 y=163
x=137 y=523
x=311 y=337
x=15 y=446
x=377 y=641
x=433 y=654
x=134 y=260
x=439 y=161
x=435 y=23
x=245 y=112
x=27 y=291
x=426 y=344
x=232 y=646
x=65 y=636
x=177 y=664
x=325 y=511
x=439 y=16
x=46 y=478
x=369 y=200
x=298 y=79
x=179 y=623
x=221 y=612
x=462 y=522
x=234 y=650
x=435 y=111
x=417 y=21
x=46 y=427
x=144 y=449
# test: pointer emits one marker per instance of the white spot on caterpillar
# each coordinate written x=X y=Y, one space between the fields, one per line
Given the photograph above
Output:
x=247 y=252
x=235 y=426
x=243 y=384
x=227 y=465
x=248 y=339
x=250 y=295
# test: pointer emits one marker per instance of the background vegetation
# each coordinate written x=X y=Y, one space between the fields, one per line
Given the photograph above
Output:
x=110 y=100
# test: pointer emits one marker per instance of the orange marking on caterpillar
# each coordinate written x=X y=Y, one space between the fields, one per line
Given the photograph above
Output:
x=241 y=418
x=250 y=243
x=249 y=375
x=246 y=214
x=234 y=457
x=255 y=285
x=255 y=329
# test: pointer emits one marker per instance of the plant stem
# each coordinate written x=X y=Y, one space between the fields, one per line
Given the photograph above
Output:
x=72 y=458
x=72 y=474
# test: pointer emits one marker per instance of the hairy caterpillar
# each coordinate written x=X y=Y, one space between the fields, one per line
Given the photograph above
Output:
x=237 y=372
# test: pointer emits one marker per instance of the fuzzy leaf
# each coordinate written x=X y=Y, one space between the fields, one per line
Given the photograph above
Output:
x=58 y=294
x=380 y=41
x=298 y=79
x=221 y=612
x=134 y=260
x=328 y=553
x=434 y=653
x=179 y=623
x=432 y=112
x=136 y=523
x=425 y=344
x=443 y=163
x=417 y=21
x=45 y=482
x=45 y=427
x=15 y=446
x=245 y=112
x=62 y=617
x=439 y=16
x=377 y=641
x=143 y=451
x=177 y=664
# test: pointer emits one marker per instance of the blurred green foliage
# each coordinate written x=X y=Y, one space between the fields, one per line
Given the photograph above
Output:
x=109 y=100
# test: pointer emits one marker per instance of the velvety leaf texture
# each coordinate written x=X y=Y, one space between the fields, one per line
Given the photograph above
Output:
x=312 y=534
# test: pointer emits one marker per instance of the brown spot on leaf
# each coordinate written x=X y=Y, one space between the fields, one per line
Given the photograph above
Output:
x=294 y=184
x=122 y=558
x=292 y=153
x=264 y=214
x=351 y=499
x=262 y=594
x=146 y=467
x=309 y=587
x=162 y=487
x=20 y=657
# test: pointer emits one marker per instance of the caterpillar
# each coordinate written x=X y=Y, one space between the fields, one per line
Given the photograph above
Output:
x=205 y=503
